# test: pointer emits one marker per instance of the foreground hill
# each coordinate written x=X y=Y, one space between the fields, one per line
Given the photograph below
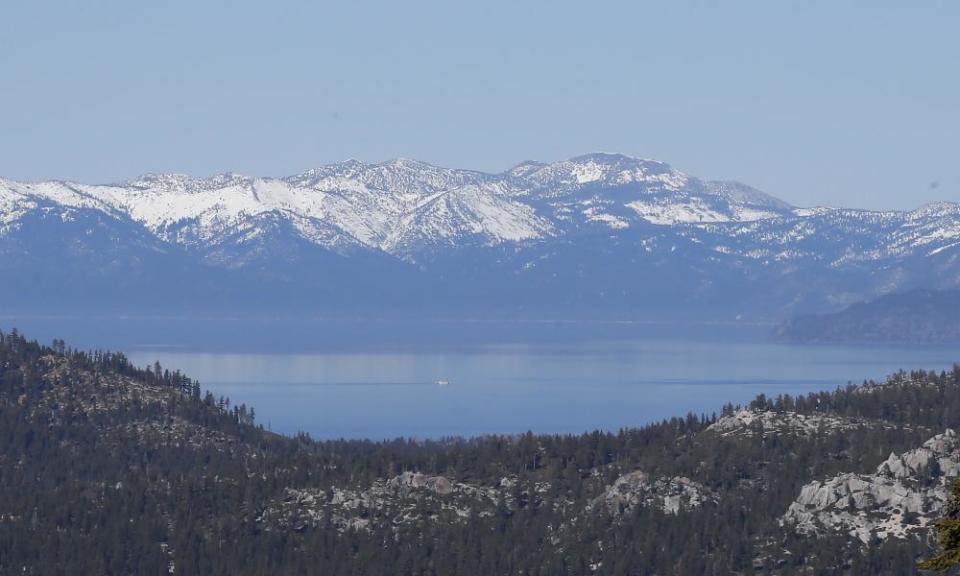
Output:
x=106 y=468
x=913 y=316
x=602 y=234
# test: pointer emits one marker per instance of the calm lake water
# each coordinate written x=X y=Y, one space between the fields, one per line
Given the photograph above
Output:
x=514 y=388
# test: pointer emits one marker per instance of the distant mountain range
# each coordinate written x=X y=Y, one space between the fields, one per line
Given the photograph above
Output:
x=599 y=236
x=914 y=316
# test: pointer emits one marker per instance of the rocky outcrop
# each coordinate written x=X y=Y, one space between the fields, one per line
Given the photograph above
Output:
x=905 y=494
x=92 y=392
x=639 y=489
x=177 y=432
x=412 y=497
x=402 y=499
x=768 y=422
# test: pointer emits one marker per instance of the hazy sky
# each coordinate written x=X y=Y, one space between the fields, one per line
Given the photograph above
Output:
x=839 y=103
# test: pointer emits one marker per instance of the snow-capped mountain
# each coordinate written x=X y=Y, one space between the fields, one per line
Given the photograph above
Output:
x=399 y=205
x=599 y=228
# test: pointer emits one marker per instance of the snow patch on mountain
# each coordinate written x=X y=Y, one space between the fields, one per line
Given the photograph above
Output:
x=484 y=211
x=667 y=213
x=599 y=169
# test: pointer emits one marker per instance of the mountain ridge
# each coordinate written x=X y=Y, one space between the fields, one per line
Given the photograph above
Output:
x=531 y=238
x=917 y=316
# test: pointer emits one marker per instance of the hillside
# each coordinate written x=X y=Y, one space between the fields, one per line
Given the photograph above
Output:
x=596 y=236
x=111 y=469
x=920 y=316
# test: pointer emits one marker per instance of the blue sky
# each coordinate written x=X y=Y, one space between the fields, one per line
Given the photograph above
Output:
x=839 y=103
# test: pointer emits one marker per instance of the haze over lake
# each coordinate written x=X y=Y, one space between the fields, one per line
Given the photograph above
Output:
x=546 y=388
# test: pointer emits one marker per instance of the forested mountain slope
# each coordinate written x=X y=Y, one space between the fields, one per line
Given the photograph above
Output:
x=915 y=316
x=106 y=468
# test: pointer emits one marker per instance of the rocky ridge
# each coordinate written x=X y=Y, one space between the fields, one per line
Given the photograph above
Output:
x=403 y=499
x=901 y=498
x=408 y=498
x=757 y=422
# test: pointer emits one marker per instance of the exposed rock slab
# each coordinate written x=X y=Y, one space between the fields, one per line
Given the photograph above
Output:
x=403 y=499
x=907 y=492
x=639 y=489
x=768 y=422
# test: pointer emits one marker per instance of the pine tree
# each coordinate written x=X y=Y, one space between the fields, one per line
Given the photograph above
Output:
x=948 y=535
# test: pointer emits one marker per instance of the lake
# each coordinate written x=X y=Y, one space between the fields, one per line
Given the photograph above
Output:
x=512 y=388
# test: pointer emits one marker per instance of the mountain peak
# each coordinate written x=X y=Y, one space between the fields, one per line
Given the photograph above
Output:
x=407 y=163
x=615 y=159
x=740 y=193
x=601 y=168
x=525 y=168
x=153 y=179
x=938 y=208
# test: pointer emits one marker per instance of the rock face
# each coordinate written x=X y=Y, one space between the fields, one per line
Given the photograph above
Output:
x=768 y=422
x=905 y=494
x=412 y=497
x=402 y=499
x=638 y=489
